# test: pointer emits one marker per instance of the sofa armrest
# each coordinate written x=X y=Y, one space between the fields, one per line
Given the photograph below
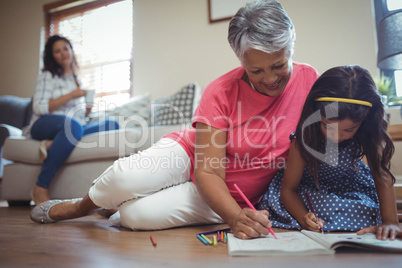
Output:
x=15 y=111
x=7 y=131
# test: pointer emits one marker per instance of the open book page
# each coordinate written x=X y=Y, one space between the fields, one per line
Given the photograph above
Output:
x=289 y=243
x=366 y=241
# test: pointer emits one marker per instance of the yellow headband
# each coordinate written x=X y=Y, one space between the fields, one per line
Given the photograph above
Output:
x=365 y=103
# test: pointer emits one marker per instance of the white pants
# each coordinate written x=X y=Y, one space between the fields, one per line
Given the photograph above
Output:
x=152 y=190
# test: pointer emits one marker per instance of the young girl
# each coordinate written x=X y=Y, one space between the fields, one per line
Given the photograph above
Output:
x=342 y=121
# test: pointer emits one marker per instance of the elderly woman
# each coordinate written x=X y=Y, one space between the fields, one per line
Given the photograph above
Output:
x=240 y=136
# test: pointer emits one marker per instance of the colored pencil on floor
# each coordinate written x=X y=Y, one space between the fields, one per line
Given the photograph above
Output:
x=212 y=232
x=202 y=240
x=207 y=239
x=153 y=241
x=218 y=236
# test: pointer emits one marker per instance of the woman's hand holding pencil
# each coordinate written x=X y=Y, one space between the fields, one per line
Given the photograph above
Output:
x=251 y=223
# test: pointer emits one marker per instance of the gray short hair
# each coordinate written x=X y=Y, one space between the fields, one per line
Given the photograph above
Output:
x=262 y=25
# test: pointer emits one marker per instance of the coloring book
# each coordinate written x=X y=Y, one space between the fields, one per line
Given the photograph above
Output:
x=308 y=243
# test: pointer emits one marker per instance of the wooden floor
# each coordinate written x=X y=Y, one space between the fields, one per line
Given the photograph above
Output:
x=92 y=242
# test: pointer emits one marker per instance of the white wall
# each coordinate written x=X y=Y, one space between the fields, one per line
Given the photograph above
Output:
x=331 y=33
x=174 y=43
x=20 y=24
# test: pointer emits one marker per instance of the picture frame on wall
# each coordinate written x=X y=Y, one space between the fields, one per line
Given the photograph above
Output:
x=221 y=10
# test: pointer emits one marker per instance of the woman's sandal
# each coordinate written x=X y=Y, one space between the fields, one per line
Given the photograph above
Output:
x=40 y=213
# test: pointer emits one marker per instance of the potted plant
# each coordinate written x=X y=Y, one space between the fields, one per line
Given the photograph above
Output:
x=384 y=86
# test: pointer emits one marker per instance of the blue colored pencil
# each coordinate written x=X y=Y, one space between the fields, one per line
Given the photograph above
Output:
x=202 y=240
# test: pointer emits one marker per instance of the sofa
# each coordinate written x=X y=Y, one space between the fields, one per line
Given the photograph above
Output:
x=142 y=122
x=15 y=113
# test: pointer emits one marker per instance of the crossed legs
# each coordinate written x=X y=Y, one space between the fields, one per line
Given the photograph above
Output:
x=62 y=134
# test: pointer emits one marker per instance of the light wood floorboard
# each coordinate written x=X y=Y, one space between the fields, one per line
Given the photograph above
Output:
x=92 y=242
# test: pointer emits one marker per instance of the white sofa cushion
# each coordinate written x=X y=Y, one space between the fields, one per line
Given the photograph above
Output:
x=136 y=113
x=96 y=146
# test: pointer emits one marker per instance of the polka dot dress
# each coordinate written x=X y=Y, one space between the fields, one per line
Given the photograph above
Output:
x=347 y=199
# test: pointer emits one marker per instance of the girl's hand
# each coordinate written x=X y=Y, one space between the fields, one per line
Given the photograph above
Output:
x=311 y=223
x=251 y=224
x=383 y=231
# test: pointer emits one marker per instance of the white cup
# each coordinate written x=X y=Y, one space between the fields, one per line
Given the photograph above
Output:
x=90 y=96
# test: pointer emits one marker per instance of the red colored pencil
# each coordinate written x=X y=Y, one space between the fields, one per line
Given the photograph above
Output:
x=153 y=241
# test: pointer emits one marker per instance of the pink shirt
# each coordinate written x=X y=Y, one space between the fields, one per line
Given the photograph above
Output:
x=257 y=126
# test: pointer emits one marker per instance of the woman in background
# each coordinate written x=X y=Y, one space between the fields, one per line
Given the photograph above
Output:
x=59 y=112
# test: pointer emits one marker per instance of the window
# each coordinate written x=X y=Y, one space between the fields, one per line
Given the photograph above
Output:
x=388 y=16
x=398 y=82
x=101 y=34
x=393 y=5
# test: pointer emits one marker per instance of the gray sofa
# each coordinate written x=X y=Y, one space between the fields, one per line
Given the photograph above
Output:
x=21 y=163
x=15 y=113
x=95 y=152
x=92 y=155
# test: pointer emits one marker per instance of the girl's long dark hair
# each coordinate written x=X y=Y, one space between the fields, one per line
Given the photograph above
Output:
x=372 y=140
x=50 y=63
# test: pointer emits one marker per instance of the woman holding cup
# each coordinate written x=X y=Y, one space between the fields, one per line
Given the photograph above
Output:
x=59 y=112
